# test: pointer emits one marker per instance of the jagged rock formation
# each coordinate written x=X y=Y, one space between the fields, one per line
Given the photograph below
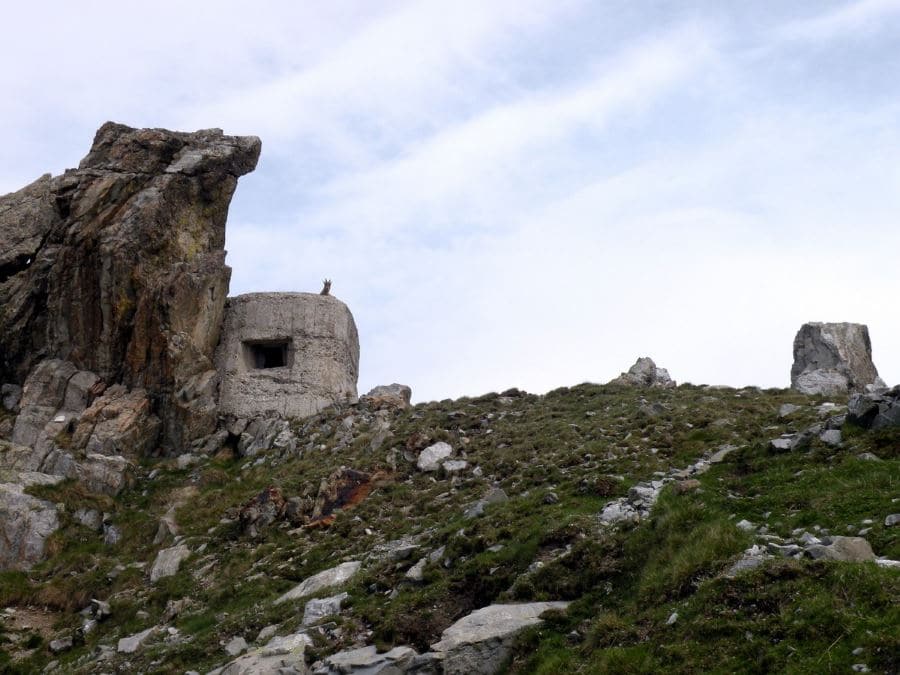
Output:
x=25 y=524
x=118 y=267
x=833 y=359
x=645 y=373
x=875 y=410
x=286 y=354
x=389 y=396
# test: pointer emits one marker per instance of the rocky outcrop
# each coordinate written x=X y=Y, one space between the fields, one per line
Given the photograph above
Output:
x=117 y=267
x=389 y=396
x=286 y=354
x=875 y=410
x=25 y=524
x=645 y=373
x=282 y=655
x=319 y=582
x=63 y=430
x=167 y=562
x=481 y=642
x=367 y=661
x=833 y=359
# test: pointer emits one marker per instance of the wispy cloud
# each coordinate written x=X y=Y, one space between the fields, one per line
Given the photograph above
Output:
x=861 y=16
x=472 y=174
x=388 y=80
x=520 y=192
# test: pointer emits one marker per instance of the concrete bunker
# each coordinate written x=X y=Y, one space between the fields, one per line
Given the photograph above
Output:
x=286 y=354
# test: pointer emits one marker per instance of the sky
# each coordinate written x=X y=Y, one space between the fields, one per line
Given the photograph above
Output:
x=517 y=193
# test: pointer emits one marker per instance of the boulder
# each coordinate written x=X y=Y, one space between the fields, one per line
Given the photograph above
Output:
x=280 y=656
x=25 y=524
x=481 y=642
x=389 y=396
x=645 y=373
x=318 y=608
x=367 y=661
x=261 y=511
x=265 y=433
x=833 y=359
x=168 y=561
x=130 y=644
x=42 y=396
x=319 y=582
x=236 y=646
x=431 y=457
x=846 y=549
x=875 y=410
x=118 y=266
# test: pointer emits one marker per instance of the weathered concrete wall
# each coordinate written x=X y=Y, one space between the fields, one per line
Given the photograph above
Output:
x=290 y=354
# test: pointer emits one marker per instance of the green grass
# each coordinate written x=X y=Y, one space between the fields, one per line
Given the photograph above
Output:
x=586 y=444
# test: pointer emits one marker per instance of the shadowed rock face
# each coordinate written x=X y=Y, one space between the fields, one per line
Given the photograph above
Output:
x=118 y=267
x=833 y=359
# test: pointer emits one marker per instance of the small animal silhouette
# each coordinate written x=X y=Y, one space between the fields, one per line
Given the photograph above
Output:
x=326 y=287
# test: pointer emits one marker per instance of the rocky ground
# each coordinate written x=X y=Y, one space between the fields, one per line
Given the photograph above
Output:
x=594 y=529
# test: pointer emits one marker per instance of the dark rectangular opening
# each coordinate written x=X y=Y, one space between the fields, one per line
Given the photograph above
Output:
x=266 y=354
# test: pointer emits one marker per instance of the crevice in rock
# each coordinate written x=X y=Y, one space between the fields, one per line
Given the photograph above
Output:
x=20 y=264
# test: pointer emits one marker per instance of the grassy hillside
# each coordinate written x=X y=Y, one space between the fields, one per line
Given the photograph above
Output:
x=559 y=458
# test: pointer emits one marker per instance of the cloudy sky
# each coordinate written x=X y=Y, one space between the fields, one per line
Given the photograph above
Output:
x=519 y=193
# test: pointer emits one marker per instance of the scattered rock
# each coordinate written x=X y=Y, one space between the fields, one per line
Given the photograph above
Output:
x=831 y=437
x=633 y=507
x=61 y=645
x=481 y=642
x=875 y=410
x=25 y=524
x=416 y=573
x=788 y=409
x=265 y=433
x=280 y=656
x=847 y=549
x=752 y=558
x=645 y=373
x=266 y=633
x=261 y=511
x=168 y=561
x=236 y=646
x=319 y=608
x=367 y=661
x=833 y=359
x=720 y=455
x=494 y=496
x=454 y=465
x=791 y=442
x=130 y=644
x=389 y=396
x=891 y=520
x=325 y=579
x=430 y=458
